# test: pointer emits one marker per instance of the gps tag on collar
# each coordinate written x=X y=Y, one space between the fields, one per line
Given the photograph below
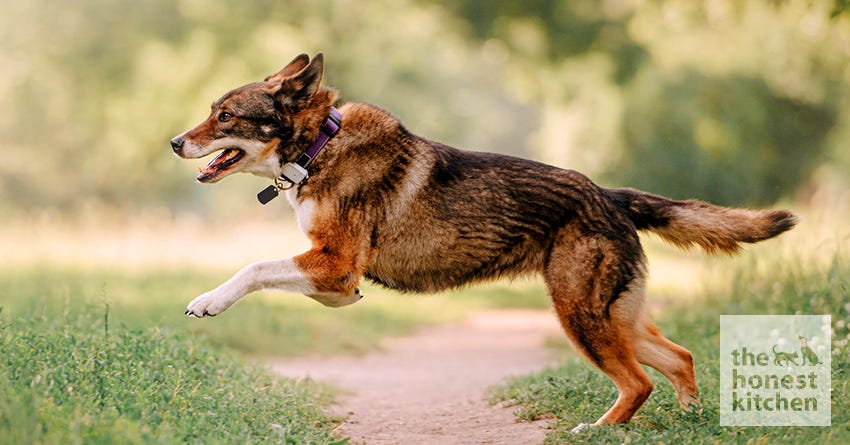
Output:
x=267 y=194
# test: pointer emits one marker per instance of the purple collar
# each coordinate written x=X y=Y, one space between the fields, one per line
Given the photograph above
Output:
x=295 y=173
x=329 y=129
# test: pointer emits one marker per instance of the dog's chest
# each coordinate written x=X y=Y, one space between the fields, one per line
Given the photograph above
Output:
x=305 y=210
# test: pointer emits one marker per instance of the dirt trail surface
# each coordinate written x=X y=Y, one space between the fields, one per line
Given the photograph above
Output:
x=430 y=388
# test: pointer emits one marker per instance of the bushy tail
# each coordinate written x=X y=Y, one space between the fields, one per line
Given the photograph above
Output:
x=714 y=228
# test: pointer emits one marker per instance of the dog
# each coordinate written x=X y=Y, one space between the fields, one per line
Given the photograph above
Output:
x=381 y=203
x=808 y=354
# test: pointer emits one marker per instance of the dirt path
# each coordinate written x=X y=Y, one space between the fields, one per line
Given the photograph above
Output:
x=430 y=388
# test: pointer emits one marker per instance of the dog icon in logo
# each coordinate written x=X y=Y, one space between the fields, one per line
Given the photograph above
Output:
x=808 y=354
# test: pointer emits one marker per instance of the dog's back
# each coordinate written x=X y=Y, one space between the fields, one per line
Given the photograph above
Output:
x=471 y=216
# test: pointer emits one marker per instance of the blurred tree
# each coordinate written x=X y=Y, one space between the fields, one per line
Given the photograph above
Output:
x=732 y=101
x=744 y=99
x=841 y=6
x=728 y=139
x=97 y=88
x=552 y=30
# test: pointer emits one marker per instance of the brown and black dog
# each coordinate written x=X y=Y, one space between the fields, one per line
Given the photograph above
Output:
x=419 y=216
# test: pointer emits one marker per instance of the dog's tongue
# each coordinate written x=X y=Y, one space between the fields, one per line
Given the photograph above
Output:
x=222 y=158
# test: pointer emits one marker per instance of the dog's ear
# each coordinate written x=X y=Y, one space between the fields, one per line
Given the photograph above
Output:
x=296 y=89
x=291 y=69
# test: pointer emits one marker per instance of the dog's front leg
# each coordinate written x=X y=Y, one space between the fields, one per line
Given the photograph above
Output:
x=310 y=274
x=282 y=274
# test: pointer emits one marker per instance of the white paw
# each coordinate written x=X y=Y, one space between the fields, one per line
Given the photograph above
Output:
x=582 y=426
x=209 y=304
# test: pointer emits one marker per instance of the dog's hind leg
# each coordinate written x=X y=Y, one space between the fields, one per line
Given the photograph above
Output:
x=670 y=359
x=589 y=279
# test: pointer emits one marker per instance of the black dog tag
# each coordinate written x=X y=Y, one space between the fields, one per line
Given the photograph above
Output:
x=267 y=194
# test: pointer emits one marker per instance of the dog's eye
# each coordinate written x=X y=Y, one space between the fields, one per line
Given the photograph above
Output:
x=224 y=116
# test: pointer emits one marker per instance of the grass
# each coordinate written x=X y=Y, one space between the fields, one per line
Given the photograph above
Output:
x=77 y=378
x=99 y=356
x=105 y=355
x=262 y=323
x=574 y=392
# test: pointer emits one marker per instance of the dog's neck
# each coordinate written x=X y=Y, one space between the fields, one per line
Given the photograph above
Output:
x=328 y=130
x=294 y=173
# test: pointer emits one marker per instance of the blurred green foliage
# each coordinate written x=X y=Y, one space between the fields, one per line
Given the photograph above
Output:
x=733 y=101
x=728 y=138
x=271 y=324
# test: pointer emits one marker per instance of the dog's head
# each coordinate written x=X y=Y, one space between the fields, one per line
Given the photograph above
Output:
x=262 y=125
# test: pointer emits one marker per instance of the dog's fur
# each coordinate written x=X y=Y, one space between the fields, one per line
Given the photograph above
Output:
x=419 y=216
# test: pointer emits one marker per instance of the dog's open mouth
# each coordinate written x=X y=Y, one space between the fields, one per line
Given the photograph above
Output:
x=226 y=159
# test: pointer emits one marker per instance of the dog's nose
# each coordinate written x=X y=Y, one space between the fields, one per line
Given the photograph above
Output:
x=177 y=144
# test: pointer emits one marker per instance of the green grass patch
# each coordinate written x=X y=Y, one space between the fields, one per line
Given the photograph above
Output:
x=80 y=378
x=576 y=393
x=100 y=356
x=264 y=323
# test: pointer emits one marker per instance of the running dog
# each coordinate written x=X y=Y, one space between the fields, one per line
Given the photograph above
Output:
x=381 y=203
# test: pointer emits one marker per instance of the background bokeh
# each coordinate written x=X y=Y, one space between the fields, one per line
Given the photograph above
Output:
x=105 y=235
x=740 y=102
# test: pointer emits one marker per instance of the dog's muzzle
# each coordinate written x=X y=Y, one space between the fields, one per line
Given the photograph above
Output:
x=177 y=145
